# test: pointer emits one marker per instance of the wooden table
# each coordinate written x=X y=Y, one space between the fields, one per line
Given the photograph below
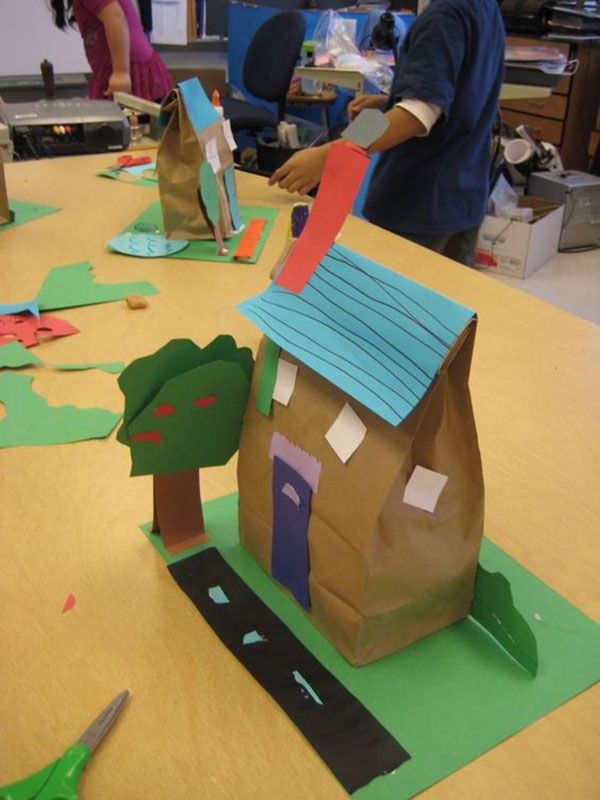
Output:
x=197 y=726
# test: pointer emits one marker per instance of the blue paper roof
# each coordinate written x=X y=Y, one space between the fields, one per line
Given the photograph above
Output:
x=373 y=333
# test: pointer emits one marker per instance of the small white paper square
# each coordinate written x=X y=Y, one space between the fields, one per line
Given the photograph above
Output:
x=285 y=381
x=229 y=135
x=346 y=433
x=424 y=488
x=212 y=155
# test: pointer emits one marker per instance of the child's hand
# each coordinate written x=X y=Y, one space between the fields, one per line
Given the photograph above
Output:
x=302 y=171
x=362 y=101
x=118 y=82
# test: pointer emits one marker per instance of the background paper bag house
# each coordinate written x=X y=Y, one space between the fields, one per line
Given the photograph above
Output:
x=196 y=178
x=360 y=484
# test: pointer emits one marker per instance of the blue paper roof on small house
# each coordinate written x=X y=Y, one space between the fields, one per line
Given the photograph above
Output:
x=373 y=333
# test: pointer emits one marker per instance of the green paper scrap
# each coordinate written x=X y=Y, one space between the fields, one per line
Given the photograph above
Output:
x=150 y=221
x=112 y=367
x=30 y=420
x=184 y=405
x=209 y=192
x=14 y=356
x=494 y=610
x=217 y=595
x=454 y=695
x=74 y=285
x=268 y=376
x=116 y=174
x=26 y=212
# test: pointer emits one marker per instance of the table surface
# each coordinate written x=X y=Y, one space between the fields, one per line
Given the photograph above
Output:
x=197 y=725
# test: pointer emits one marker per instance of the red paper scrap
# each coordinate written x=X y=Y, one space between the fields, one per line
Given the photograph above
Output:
x=28 y=330
x=150 y=436
x=204 y=402
x=164 y=410
x=344 y=171
x=69 y=603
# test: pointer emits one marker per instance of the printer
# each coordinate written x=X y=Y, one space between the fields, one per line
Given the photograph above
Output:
x=580 y=194
x=62 y=127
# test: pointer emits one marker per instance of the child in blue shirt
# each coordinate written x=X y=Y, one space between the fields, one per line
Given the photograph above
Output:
x=432 y=180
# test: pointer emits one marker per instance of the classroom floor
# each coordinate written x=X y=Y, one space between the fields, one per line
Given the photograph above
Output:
x=570 y=281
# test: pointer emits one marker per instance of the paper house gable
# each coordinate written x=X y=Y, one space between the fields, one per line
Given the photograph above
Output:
x=364 y=494
x=196 y=178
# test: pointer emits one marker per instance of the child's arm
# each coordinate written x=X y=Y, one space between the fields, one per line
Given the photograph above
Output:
x=117 y=38
x=302 y=171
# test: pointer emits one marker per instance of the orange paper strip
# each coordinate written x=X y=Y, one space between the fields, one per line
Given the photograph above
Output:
x=250 y=239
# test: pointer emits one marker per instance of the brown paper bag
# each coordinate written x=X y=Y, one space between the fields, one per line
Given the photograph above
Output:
x=181 y=152
x=382 y=573
x=5 y=215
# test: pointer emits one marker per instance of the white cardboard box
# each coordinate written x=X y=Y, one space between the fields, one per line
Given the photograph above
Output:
x=519 y=248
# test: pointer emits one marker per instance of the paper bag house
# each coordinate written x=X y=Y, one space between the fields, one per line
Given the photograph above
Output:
x=194 y=165
x=360 y=488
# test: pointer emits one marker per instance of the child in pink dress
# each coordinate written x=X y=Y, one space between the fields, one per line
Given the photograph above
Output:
x=119 y=54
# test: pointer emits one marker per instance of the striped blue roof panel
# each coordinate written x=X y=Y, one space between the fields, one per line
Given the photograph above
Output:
x=373 y=333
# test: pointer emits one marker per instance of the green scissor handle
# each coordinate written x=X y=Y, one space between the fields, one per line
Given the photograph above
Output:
x=57 y=781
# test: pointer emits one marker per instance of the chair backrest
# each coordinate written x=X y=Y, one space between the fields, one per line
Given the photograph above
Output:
x=272 y=55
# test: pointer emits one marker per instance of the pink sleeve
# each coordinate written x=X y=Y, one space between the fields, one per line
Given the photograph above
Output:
x=96 y=6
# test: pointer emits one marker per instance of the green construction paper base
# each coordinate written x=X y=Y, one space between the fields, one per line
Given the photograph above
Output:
x=206 y=250
x=139 y=182
x=452 y=696
x=25 y=212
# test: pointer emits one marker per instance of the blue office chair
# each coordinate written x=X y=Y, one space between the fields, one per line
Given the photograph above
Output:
x=267 y=72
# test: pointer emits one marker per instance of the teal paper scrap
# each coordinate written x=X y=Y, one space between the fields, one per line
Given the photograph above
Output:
x=200 y=110
x=307 y=687
x=140 y=171
x=18 y=308
x=209 y=192
x=252 y=637
x=376 y=335
x=217 y=595
x=146 y=245
x=236 y=219
x=451 y=697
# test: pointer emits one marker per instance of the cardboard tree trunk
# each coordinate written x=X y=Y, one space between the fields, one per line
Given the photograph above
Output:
x=5 y=215
x=382 y=573
x=193 y=158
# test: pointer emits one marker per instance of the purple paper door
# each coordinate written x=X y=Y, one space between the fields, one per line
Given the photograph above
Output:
x=291 y=513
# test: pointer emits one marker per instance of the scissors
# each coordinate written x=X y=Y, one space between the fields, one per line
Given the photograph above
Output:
x=130 y=161
x=58 y=781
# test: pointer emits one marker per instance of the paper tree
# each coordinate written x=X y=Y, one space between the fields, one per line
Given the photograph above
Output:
x=183 y=410
x=196 y=178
